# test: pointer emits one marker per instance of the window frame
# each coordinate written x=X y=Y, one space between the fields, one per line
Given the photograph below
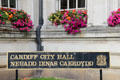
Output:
x=9 y=4
x=59 y=5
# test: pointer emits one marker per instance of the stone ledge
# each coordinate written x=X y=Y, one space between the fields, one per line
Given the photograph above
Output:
x=7 y=32
x=17 y=35
x=94 y=31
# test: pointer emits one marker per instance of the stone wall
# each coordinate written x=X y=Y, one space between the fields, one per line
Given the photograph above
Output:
x=15 y=45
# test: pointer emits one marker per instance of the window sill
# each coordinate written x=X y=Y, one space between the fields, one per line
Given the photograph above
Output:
x=7 y=32
x=89 y=32
x=74 y=9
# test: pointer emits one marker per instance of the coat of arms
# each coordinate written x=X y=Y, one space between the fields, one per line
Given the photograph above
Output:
x=101 y=60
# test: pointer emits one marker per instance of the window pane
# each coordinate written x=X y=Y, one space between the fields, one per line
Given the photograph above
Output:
x=81 y=3
x=63 y=4
x=12 y=3
x=4 y=3
x=72 y=3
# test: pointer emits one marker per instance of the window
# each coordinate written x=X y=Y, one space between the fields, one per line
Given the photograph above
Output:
x=9 y=3
x=72 y=4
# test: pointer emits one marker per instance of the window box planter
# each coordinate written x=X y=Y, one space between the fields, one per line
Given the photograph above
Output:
x=72 y=20
x=15 y=24
x=114 y=18
x=18 y=19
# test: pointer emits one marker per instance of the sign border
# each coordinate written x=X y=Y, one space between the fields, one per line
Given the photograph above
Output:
x=57 y=68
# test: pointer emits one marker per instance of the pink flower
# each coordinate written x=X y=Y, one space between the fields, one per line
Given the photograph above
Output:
x=118 y=10
x=77 y=21
x=3 y=22
x=28 y=30
x=20 y=29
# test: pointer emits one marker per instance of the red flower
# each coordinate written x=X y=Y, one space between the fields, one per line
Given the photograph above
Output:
x=118 y=10
x=85 y=12
x=62 y=12
x=74 y=10
x=1 y=8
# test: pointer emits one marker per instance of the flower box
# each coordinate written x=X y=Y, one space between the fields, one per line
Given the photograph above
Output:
x=114 y=18
x=18 y=19
x=72 y=20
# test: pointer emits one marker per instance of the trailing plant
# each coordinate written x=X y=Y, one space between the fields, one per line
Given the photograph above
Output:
x=72 y=20
x=18 y=18
x=114 y=18
x=56 y=18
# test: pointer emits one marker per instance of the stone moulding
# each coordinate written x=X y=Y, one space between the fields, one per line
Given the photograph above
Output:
x=7 y=32
x=89 y=32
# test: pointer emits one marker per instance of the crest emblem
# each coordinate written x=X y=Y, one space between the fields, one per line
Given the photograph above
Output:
x=101 y=60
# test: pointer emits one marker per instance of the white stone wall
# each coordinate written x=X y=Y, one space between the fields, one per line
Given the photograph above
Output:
x=99 y=11
x=36 y=12
x=26 y=5
x=119 y=3
x=0 y=2
x=32 y=8
x=49 y=6
x=15 y=45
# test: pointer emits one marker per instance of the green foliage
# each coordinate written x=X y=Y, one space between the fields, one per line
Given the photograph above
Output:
x=71 y=19
x=19 y=15
x=55 y=17
x=19 y=19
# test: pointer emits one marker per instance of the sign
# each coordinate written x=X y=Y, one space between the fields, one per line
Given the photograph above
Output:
x=24 y=60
